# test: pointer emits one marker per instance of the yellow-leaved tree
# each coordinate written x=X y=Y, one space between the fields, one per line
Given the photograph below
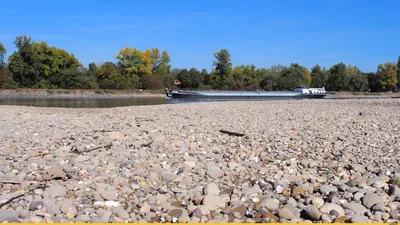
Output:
x=307 y=76
x=388 y=75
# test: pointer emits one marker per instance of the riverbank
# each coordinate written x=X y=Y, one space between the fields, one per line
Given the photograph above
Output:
x=84 y=94
x=291 y=161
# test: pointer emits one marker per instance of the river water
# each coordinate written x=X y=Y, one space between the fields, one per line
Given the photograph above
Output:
x=84 y=102
x=100 y=102
x=95 y=102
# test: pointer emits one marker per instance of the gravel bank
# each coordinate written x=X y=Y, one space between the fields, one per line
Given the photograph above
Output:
x=311 y=160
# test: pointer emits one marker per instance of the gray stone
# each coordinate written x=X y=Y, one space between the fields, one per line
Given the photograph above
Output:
x=35 y=205
x=23 y=213
x=357 y=196
x=271 y=204
x=211 y=189
x=9 y=216
x=52 y=208
x=324 y=189
x=55 y=190
x=317 y=201
x=109 y=196
x=123 y=214
x=285 y=213
x=356 y=208
x=68 y=209
x=371 y=199
x=379 y=207
x=394 y=190
x=252 y=190
x=313 y=213
x=359 y=219
x=213 y=202
x=328 y=207
x=82 y=218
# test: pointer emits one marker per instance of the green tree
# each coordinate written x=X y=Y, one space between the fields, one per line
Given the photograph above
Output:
x=3 y=53
x=110 y=76
x=220 y=77
x=307 y=77
x=357 y=80
x=270 y=77
x=92 y=71
x=206 y=77
x=398 y=73
x=190 y=78
x=292 y=77
x=72 y=78
x=160 y=62
x=34 y=64
x=319 y=76
x=338 y=79
x=388 y=76
x=374 y=82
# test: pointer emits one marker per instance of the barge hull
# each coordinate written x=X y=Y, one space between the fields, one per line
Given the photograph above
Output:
x=241 y=96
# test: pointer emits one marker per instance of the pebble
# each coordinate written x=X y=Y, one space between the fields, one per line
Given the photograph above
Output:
x=82 y=218
x=313 y=213
x=328 y=207
x=359 y=219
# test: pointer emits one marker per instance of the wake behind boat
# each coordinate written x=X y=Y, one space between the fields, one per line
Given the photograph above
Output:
x=298 y=93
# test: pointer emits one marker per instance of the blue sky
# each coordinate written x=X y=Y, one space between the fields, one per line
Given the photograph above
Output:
x=264 y=33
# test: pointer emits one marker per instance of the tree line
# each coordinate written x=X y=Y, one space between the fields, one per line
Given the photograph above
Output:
x=38 y=65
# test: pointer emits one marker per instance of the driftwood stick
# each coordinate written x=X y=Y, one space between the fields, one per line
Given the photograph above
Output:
x=20 y=182
x=147 y=144
x=5 y=202
x=93 y=148
x=12 y=196
x=232 y=133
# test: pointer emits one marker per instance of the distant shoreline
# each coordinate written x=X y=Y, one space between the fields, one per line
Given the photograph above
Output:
x=87 y=93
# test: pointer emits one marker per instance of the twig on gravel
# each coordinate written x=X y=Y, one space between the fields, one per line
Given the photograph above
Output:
x=20 y=182
x=232 y=133
x=5 y=201
x=92 y=149
x=147 y=144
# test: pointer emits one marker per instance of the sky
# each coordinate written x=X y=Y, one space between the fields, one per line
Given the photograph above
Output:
x=264 y=33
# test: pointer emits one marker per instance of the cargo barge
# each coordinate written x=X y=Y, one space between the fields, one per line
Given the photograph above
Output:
x=298 y=93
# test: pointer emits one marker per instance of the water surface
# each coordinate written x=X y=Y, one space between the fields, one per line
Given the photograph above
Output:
x=84 y=102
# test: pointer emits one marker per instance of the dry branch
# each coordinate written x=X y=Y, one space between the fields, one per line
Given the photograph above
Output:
x=232 y=133
x=93 y=148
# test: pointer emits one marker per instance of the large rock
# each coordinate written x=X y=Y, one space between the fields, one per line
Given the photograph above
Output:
x=271 y=204
x=211 y=189
x=9 y=216
x=359 y=219
x=357 y=208
x=371 y=199
x=213 y=202
x=324 y=189
x=54 y=191
x=313 y=213
x=68 y=209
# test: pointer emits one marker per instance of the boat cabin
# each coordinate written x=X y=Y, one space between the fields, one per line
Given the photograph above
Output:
x=307 y=90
